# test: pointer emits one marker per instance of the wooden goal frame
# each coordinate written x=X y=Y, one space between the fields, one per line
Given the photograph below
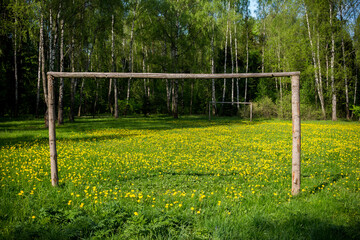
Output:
x=295 y=101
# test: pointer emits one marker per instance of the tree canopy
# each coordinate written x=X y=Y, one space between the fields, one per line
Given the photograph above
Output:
x=320 y=38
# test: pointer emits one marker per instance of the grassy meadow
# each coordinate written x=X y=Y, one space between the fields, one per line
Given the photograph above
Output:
x=160 y=178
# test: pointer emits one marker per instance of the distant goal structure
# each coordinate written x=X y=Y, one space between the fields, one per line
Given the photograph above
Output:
x=211 y=103
x=295 y=102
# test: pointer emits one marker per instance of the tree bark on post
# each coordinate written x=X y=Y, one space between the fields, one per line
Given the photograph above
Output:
x=296 y=126
x=52 y=132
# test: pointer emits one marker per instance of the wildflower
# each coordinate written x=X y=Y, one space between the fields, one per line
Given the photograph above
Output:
x=136 y=213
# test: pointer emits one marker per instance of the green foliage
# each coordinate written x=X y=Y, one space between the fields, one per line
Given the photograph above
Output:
x=175 y=36
x=356 y=110
x=264 y=108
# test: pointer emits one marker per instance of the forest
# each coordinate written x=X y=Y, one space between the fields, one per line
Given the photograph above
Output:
x=320 y=38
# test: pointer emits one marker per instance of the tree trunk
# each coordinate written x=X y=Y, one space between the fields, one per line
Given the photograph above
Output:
x=236 y=65
x=16 y=107
x=213 y=96
x=81 y=96
x=131 y=55
x=116 y=107
x=51 y=64
x=96 y=97
x=174 y=52
x=345 y=80
x=317 y=82
x=332 y=62
x=72 y=90
x=327 y=67
x=61 y=87
x=168 y=95
x=191 y=96
x=176 y=99
x=88 y=65
x=322 y=102
x=113 y=69
x=247 y=57
x=263 y=48
x=225 y=59
x=44 y=79
x=232 y=67
x=355 y=89
x=39 y=80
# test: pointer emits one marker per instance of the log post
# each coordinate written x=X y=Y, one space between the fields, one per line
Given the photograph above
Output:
x=296 y=131
x=52 y=131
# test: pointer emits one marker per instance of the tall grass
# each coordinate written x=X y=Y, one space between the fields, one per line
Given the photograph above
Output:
x=159 y=178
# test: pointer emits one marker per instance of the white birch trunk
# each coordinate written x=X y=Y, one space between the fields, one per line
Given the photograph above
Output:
x=72 y=90
x=51 y=63
x=232 y=67
x=327 y=67
x=226 y=40
x=44 y=79
x=131 y=55
x=317 y=82
x=247 y=59
x=39 y=80
x=345 y=81
x=112 y=64
x=213 y=96
x=61 y=86
x=236 y=64
x=332 y=62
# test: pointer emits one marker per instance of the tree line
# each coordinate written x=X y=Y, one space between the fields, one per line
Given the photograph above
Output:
x=320 y=38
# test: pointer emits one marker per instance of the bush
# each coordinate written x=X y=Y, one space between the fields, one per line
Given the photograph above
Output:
x=264 y=108
x=284 y=107
x=356 y=111
x=309 y=112
x=129 y=108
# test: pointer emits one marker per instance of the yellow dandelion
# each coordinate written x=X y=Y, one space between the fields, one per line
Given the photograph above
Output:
x=136 y=213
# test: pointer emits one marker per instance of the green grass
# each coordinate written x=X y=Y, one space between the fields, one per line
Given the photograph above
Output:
x=160 y=178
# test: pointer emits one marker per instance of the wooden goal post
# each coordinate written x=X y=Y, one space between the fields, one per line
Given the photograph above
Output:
x=295 y=89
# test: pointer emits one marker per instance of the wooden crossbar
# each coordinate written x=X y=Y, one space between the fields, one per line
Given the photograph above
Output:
x=169 y=75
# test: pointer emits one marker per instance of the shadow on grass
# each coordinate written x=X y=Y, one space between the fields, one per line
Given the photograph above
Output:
x=323 y=185
x=19 y=132
x=301 y=226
